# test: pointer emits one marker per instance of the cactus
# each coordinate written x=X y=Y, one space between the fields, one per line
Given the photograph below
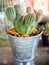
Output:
x=39 y=16
x=10 y=13
x=19 y=24
x=24 y=24
x=30 y=22
x=17 y=9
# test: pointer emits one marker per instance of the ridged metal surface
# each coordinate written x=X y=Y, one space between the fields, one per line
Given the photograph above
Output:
x=24 y=49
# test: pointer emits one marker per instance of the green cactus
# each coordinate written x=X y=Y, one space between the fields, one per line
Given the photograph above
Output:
x=17 y=9
x=30 y=22
x=24 y=24
x=10 y=13
x=19 y=24
x=39 y=16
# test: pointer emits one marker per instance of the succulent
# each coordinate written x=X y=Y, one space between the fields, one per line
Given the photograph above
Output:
x=11 y=15
x=24 y=24
x=39 y=16
x=17 y=9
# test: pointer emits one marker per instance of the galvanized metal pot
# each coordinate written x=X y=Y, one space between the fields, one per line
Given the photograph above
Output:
x=24 y=49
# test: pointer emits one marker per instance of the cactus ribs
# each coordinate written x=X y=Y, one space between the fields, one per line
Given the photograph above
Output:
x=24 y=25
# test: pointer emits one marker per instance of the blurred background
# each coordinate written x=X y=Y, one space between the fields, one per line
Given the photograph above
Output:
x=5 y=49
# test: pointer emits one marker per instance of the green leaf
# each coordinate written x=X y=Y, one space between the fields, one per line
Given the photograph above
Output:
x=47 y=27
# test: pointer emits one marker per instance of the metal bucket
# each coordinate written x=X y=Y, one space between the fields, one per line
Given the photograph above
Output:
x=24 y=49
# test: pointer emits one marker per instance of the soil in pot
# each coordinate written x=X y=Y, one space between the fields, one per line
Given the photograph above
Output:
x=15 y=33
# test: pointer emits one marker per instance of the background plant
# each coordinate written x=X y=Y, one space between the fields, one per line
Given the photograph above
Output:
x=47 y=27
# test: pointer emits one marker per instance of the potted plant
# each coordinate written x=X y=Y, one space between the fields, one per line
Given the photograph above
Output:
x=45 y=35
x=25 y=35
